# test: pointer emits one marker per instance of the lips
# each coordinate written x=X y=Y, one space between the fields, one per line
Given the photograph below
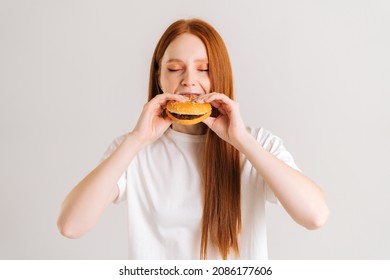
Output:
x=190 y=95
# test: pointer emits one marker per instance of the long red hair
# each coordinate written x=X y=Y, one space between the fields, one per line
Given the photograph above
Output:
x=221 y=221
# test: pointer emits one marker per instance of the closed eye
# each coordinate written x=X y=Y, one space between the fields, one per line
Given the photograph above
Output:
x=204 y=67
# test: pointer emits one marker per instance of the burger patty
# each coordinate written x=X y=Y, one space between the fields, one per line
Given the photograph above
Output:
x=185 y=117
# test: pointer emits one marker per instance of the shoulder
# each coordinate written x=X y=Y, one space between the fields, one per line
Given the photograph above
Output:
x=113 y=146
x=117 y=141
x=273 y=144
x=266 y=138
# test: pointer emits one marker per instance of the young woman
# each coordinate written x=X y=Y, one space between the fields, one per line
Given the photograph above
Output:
x=194 y=191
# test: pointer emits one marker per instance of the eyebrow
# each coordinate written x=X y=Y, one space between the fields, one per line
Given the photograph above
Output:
x=203 y=60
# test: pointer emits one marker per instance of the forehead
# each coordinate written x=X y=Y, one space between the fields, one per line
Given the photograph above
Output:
x=186 y=47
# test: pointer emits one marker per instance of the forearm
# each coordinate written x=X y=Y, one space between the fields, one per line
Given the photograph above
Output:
x=302 y=198
x=84 y=205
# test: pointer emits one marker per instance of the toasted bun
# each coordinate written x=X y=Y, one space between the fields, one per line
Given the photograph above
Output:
x=188 y=108
x=188 y=113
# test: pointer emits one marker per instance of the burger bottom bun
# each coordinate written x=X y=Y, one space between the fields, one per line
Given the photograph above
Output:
x=188 y=122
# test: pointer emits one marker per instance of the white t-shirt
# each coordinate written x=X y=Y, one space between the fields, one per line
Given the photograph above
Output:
x=163 y=190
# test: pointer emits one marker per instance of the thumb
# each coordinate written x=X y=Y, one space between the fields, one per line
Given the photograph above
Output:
x=209 y=121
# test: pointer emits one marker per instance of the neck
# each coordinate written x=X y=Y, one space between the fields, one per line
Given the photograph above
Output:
x=196 y=129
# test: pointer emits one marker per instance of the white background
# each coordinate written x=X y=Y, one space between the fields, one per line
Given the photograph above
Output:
x=74 y=75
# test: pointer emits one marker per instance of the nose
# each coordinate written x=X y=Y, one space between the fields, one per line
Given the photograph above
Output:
x=188 y=79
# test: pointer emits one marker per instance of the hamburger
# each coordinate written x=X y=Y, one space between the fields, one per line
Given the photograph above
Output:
x=189 y=112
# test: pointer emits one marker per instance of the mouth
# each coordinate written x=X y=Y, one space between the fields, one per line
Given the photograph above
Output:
x=190 y=95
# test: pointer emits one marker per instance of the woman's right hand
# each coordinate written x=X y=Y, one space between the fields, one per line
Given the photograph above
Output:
x=152 y=124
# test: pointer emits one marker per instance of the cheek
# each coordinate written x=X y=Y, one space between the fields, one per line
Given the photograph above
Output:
x=167 y=81
x=206 y=84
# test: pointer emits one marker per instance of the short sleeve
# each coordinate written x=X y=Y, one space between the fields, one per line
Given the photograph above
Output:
x=275 y=146
x=122 y=182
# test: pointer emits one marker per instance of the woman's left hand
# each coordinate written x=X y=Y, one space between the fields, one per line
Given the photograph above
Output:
x=228 y=125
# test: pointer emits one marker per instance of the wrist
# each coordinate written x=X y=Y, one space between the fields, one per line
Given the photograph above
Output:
x=136 y=139
x=244 y=142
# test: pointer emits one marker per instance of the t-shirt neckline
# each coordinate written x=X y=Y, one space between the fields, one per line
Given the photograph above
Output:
x=180 y=136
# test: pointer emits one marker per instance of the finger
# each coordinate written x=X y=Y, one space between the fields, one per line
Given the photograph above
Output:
x=220 y=101
x=222 y=105
x=209 y=121
x=203 y=97
x=208 y=98
x=160 y=101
